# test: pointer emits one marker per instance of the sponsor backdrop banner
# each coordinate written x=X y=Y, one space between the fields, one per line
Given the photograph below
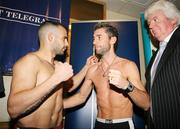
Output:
x=83 y=116
x=19 y=21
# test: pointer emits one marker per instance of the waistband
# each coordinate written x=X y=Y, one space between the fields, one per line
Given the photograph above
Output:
x=28 y=128
x=114 y=120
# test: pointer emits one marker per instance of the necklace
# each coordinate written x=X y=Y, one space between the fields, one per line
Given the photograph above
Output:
x=105 y=72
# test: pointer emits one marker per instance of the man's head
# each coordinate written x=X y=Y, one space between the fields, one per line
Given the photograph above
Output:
x=105 y=36
x=53 y=35
x=162 y=17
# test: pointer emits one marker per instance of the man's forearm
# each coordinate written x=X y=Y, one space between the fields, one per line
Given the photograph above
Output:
x=78 y=78
x=73 y=101
x=140 y=98
x=20 y=106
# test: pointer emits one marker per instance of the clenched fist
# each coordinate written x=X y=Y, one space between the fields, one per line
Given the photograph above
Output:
x=62 y=71
x=117 y=79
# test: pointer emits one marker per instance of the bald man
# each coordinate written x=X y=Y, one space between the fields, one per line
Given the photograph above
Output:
x=35 y=98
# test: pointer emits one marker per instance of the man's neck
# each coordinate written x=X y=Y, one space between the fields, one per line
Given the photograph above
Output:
x=47 y=56
x=109 y=57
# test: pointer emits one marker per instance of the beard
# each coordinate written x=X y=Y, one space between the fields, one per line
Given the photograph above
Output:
x=102 y=50
x=59 y=51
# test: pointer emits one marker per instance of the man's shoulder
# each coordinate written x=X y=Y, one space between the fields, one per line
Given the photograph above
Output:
x=126 y=64
x=94 y=67
x=125 y=61
x=27 y=59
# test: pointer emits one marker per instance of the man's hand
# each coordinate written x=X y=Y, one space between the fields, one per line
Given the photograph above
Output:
x=117 y=79
x=91 y=61
x=62 y=71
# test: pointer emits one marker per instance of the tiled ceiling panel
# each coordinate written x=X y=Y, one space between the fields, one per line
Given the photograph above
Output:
x=141 y=2
x=131 y=7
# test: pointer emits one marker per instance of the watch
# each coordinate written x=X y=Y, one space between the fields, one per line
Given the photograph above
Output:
x=130 y=88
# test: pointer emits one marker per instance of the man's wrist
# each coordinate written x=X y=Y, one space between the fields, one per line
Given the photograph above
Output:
x=129 y=88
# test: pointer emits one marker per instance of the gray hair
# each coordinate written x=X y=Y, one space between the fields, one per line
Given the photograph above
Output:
x=168 y=8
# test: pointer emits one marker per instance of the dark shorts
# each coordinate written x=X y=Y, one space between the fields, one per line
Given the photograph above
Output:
x=116 y=125
x=26 y=128
x=35 y=128
x=15 y=127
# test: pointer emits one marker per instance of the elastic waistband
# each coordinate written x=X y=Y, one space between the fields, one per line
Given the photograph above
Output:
x=114 y=120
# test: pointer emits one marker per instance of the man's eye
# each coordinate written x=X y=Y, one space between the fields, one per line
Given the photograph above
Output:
x=156 y=20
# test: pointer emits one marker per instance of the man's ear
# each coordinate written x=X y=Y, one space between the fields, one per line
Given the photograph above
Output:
x=113 y=40
x=50 y=37
x=174 y=21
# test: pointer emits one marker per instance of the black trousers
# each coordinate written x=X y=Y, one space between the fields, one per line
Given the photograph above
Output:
x=123 y=125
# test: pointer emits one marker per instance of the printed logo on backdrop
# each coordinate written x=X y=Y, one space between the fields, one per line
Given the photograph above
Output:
x=24 y=17
x=19 y=22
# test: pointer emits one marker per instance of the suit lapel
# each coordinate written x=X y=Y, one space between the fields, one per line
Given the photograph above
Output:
x=148 y=71
x=167 y=52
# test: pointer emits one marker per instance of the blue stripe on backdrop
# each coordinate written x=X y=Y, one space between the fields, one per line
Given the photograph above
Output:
x=146 y=40
x=19 y=21
x=81 y=117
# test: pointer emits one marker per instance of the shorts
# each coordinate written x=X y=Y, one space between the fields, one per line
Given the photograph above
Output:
x=125 y=123
x=36 y=128
x=26 y=128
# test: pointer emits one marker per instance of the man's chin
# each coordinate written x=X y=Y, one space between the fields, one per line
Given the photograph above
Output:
x=60 y=53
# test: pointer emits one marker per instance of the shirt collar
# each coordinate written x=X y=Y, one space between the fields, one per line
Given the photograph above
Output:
x=166 y=40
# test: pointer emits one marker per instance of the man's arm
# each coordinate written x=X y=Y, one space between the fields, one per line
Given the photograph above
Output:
x=139 y=95
x=78 y=78
x=81 y=96
x=25 y=94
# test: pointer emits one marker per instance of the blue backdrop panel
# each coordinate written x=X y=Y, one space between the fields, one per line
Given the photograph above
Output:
x=83 y=116
x=81 y=48
x=19 y=21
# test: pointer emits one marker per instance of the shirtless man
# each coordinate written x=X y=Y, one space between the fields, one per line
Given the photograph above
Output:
x=35 y=98
x=117 y=83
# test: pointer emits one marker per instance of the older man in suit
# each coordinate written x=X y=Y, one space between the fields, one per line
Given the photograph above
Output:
x=163 y=72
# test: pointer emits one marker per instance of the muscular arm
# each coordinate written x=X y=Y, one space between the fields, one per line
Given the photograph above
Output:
x=25 y=94
x=139 y=95
x=130 y=74
x=77 y=79
x=81 y=96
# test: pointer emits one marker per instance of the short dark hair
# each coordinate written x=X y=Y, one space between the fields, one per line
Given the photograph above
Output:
x=53 y=23
x=47 y=23
x=110 y=30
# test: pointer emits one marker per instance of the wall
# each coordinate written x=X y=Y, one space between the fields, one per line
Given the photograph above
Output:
x=3 y=101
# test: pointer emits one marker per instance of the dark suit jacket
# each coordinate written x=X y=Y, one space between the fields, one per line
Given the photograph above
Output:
x=2 y=90
x=165 y=91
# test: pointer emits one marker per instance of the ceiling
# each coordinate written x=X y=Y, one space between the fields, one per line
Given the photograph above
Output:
x=131 y=7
